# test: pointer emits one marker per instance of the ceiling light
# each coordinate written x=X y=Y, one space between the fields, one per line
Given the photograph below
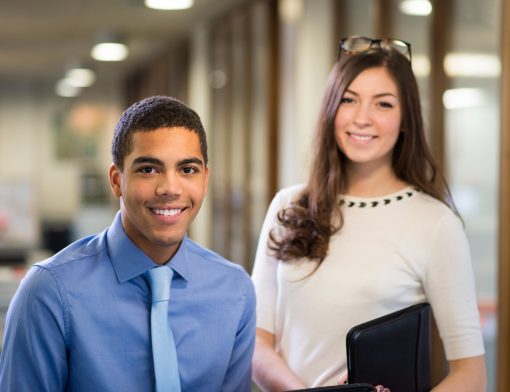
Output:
x=421 y=66
x=460 y=98
x=416 y=7
x=291 y=10
x=169 y=4
x=109 y=51
x=81 y=77
x=472 y=65
x=64 y=89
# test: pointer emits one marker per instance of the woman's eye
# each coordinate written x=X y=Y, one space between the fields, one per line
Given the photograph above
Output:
x=386 y=105
x=346 y=100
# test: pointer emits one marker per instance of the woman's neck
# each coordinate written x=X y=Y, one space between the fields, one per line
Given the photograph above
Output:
x=373 y=182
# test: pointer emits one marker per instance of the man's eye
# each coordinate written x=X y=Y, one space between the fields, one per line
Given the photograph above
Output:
x=148 y=170
x=189 y=170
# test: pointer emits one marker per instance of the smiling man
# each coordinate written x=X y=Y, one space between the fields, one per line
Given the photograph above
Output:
x=81 y=320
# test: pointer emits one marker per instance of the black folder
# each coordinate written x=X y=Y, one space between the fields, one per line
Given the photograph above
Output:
x=393 y=350
x=340 y=388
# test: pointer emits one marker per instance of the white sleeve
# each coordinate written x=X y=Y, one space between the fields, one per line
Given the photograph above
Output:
x=450 y=287
x=264 y=274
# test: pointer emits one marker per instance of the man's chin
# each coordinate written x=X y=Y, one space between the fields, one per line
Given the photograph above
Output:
x=168 y=242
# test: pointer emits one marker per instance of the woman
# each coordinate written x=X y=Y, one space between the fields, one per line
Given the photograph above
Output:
x=372 y=231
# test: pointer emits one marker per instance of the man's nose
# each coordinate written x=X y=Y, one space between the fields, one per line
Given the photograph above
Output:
x=169 y=185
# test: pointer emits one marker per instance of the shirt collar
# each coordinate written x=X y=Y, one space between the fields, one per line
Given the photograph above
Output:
x=129 y=261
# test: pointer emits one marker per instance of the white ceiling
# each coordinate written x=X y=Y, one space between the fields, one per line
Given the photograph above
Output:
x=39 y=39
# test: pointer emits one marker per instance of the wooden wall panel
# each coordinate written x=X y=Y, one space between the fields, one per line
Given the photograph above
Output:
x=503 y=357
x=166 y=74
x=273 y=65
x=440 y=34
x=244 y=109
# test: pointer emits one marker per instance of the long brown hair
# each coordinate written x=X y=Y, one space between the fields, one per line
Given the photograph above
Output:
x=310 y=221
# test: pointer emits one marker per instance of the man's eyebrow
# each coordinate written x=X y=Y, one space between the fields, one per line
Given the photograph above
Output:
x=189 y=161
x=147 y=159
x=155 y=161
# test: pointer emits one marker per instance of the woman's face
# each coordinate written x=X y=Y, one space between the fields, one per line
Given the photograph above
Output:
x=367 y=123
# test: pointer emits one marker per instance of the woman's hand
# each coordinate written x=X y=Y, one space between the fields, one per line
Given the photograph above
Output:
x=344 y=377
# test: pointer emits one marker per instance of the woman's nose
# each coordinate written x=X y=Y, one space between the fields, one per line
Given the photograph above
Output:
x=362 y=116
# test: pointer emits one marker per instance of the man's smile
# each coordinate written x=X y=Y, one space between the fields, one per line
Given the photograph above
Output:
x=167 y=212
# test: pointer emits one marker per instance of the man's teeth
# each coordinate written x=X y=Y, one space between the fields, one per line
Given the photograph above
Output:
x=362 y=138
x=170 y=212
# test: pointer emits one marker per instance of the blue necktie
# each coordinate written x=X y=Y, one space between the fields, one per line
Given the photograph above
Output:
x=163 y=345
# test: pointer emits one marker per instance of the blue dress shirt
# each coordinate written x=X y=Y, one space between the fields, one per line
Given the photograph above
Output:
x=80 y=321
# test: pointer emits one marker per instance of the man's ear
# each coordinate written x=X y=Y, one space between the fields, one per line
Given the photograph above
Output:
x=114 y=174
x=206 y=179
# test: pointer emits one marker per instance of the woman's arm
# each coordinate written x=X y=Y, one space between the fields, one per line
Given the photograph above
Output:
x=270 y=372
x=466 y=375
x=450 y=288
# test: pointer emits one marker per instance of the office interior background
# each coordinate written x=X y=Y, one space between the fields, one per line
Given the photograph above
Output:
x=255 y=71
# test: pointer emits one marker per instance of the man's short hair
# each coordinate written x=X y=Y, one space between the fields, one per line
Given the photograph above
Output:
x=150 y=114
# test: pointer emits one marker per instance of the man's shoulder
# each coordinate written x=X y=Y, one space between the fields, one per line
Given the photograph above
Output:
x=215 y=259
x=213 y=265
x=84 y=248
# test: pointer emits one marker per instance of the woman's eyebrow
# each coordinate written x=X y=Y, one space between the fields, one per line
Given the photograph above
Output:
x=379 y=95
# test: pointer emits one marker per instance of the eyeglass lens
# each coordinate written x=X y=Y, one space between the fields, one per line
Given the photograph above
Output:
x=359 y=44
x=394 y=44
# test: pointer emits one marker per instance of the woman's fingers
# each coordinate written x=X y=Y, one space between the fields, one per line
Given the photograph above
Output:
x=342 y=379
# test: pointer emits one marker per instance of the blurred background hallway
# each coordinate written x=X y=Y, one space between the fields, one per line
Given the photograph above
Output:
x=255 y=71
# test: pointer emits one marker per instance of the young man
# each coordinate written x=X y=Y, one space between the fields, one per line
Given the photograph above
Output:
x=81 y=320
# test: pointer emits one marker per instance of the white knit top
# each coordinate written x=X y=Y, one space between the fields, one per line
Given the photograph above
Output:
x=392 y=252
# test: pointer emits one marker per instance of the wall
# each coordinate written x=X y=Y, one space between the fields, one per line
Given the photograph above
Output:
x=305 y=27
x=28 y=150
